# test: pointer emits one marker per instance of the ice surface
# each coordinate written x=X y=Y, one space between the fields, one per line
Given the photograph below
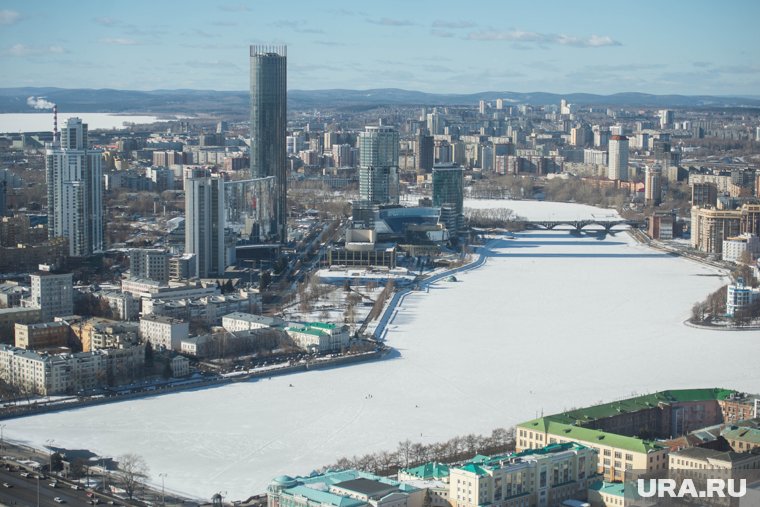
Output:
x=552 y=321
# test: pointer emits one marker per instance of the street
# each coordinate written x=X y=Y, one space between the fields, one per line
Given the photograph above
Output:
x=23 y=491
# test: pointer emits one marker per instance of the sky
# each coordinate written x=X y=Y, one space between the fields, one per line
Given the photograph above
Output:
x=663 y=47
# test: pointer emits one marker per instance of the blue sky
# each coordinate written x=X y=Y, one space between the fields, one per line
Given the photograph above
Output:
x=686 y=47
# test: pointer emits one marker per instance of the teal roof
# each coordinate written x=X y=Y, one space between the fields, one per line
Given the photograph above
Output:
x=473 y=468
x=324 y=497
x=431 y=470
x=609 y=488
x=322 y=325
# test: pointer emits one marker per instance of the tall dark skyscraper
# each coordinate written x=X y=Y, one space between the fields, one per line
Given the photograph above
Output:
x=268 y=124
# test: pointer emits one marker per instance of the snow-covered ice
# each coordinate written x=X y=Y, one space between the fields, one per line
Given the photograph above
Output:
x=551 y=321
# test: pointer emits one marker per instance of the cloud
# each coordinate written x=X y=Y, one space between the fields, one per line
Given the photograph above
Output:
x=329 y=43
x=390 y=22
x=442 y=33
x=8 y=17
x=452 y=24
x=119 y=41
x=297 y=25
x=24 y=50
x=543 y=38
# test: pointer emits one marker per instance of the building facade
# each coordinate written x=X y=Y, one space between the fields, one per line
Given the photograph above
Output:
x=150 y=263
x=618 y=158
x=163 y=332
x=378 y=165
x=448 y=194
x=53 y=294
x=269 y=122
x=75 y=190
x=205 y=222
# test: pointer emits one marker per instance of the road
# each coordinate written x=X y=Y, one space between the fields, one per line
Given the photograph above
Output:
x=23 y=492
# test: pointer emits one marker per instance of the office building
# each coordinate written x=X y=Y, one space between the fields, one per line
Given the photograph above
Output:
x=269 y=123
x=448 y=194
x=150 y=263
x=653 y=185
x=53 y=294
x=739 y=297
x=204 y=221
x=618 y=158
x=378 y=165
x=734 y=248
x=424 y=152
x=163 y=333
x=75 y=190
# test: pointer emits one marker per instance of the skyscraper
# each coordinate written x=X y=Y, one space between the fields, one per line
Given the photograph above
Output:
x=75 y=190
x=423 y=152
x=378 y=165
x=269 y=122
x=448 y=194
x=618 y=158
x=204 y=221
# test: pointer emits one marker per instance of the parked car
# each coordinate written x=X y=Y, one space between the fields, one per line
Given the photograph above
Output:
x=58 y=499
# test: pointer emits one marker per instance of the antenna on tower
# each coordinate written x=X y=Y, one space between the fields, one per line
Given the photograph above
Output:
x=56 y=137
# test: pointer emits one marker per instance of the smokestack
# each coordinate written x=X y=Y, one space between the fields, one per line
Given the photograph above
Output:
x=56 y=138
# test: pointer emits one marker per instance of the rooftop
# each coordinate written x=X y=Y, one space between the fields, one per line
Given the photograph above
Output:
x=590 y=436
x=609 y=488
x=431 y=470
x=702 y=453
x=366 y=487
x=745 y=434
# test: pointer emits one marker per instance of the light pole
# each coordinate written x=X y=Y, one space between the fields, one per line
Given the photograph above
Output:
x=163 y=476
x=50 y=447
x=2 y=442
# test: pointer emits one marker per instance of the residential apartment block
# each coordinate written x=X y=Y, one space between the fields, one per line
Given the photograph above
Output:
x=163 y=332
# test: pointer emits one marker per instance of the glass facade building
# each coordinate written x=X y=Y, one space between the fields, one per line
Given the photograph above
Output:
x=269 y=123
x=378 y=165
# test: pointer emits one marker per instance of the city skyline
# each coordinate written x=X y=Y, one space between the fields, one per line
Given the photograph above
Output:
x=426 y=46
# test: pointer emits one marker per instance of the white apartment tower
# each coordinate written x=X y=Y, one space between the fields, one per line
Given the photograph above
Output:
x=204 y=221
x=75 y=190
x=53 y=294
x=378 y=166
x=618 y=158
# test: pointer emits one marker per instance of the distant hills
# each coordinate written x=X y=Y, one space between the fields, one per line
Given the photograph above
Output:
x=236 y=103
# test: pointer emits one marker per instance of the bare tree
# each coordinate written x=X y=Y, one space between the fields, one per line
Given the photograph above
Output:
x=132 y=471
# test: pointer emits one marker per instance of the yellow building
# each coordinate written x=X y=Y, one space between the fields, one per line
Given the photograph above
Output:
x=545 y=476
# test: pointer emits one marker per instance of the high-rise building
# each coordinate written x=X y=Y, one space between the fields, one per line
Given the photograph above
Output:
x=269 y=122
x=653 y=185
x=378 y=165
x=666 y=118
x=75 y=190
x=424 y=152
x=53 y=294
x=448 y=194
x=618 y=158
x=204 y=221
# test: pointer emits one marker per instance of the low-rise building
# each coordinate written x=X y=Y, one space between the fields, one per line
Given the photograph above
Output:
x=162 y=332
x=180 y=366
x=700 y=458
x=319 y=336
x=743 y=437
x=534 y=477
x=740 y=297
x=9 y=317
x=123 y=304
x=42 y=336
x=239 y=321
x=347 y=488
x=607 y=494
x=734 y=248
x=206 y=309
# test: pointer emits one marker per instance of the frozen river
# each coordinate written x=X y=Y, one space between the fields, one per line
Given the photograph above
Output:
x=551 y=321
x=43 y=121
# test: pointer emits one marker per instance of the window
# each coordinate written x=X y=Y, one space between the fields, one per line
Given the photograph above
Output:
x=629 y=457
x=607 y=452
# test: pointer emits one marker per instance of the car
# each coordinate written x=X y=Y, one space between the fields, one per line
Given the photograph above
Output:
x=53 y=484
x=58 y=499
x=76 y=486
x=24 y=474
x=7 y=485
